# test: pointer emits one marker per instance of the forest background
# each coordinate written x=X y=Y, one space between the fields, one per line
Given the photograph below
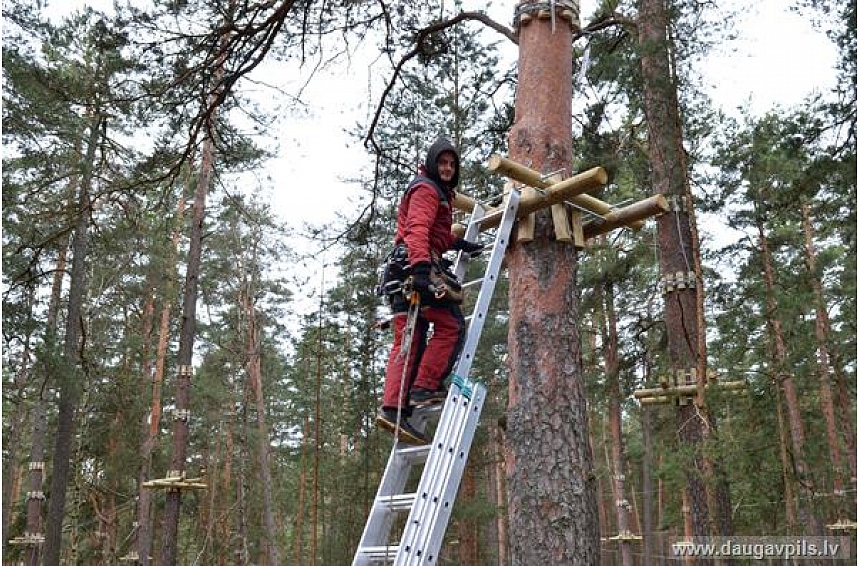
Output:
x=112 y=120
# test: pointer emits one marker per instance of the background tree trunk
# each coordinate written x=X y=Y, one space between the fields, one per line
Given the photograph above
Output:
x=255 y=379
x=188 y=328
x=610 y=345
x=69 y=386
x=152 y=422
x=551 y=487
x=825 y=391
x=679 y=254
x=807 y=516
x=184 y=357
x=467 y=528
x=497 y=442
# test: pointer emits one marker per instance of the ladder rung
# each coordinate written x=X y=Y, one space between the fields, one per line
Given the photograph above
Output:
x=380 y=552
x=491 y=215
x=402 y=502
x=414 y=454
x=472 y=283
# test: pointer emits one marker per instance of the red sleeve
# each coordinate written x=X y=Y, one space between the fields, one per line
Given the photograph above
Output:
x=420 y=215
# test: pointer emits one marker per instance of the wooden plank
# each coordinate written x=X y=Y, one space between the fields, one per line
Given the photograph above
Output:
x=628 y=215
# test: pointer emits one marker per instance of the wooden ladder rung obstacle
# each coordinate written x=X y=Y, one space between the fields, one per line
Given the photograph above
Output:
x=175 y=480
x=683 y=385
x=843 y=525
x=28 y=539
x=625 y=536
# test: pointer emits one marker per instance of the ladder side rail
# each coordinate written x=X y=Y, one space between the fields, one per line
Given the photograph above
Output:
x=378 y=526
x=497 y=256
x=441 y=459
x=472 y=231
x=436 y=523
x=450 y=425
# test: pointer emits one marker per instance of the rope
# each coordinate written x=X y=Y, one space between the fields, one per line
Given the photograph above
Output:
x=405 y=352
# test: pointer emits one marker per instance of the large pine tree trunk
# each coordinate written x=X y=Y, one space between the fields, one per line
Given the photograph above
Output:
x=709 y=513
x=825 y=391
x=152 y=423
x=784 y=456
x=552 y=499
x=184 y=360
x=36 y=473
x=810 y=523
x=647 y=489
x=142 y=511
x=255 y=378
x=40 y=425
x=187 y=330
x=69 y=386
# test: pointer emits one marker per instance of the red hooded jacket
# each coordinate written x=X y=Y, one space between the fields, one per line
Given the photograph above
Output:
x=424 y=217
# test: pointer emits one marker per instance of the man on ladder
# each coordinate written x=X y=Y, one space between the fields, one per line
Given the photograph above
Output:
x=421 y=292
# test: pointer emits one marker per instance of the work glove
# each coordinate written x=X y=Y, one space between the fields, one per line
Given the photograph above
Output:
x=472 y=249
x=421 y=280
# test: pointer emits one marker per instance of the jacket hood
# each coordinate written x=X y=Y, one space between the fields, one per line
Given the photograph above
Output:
x=440 y=146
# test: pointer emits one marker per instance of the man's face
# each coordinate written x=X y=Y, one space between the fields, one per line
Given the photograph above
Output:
x=447 y=166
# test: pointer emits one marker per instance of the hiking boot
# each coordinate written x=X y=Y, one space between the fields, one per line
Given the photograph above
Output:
x=387 y=419
x=424 y=397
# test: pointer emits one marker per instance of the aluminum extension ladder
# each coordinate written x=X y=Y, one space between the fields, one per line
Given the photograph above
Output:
x=430 y=506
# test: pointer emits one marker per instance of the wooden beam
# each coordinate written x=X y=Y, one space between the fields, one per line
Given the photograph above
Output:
x=573 y=189
x=567 y=190
x=464 y=202
x=560 y=217
x=686 y=390
x=627 y=216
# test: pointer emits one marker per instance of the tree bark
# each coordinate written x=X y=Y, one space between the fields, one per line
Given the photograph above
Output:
x=497 y=441
x=810 y=523
x=187 y=330
x=647 y=489
x=142 y=530
x=152 y=422
x=36 y=469
x=825 y=391
x=679 y=255
x=184 y=360
x=18 y=413
x=298 y=541
x=784 y=457
x=255 y=379
x=550 y=478
x=69 y=386
x=224 y=527
x=36 y=478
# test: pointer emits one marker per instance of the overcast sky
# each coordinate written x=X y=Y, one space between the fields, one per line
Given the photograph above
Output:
x=777 y=60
